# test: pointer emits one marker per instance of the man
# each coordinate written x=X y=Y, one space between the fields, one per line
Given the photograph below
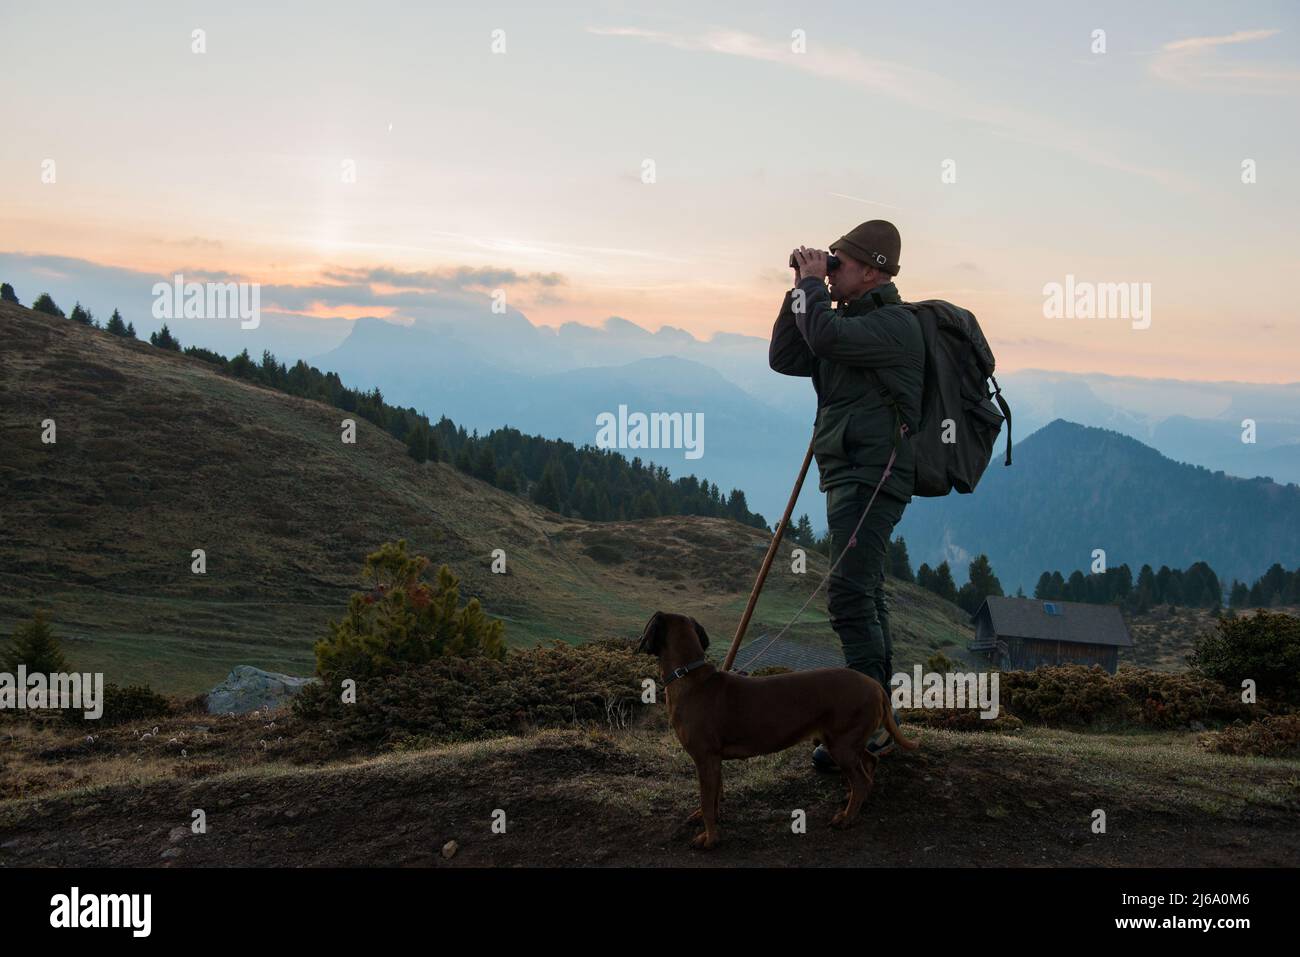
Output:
x=866 y=358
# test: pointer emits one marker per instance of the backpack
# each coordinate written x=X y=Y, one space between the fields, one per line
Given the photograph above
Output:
x=958 y=367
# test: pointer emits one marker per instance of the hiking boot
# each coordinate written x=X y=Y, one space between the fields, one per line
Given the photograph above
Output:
x=882 y=743
x=822 y=760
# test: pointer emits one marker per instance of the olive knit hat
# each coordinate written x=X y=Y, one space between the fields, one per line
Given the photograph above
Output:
x=875 y=243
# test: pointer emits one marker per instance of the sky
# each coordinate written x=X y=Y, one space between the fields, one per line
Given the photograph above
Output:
x=526 y=169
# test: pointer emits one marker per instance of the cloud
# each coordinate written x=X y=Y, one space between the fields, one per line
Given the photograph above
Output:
x=459 y=278
x=1200 y=63
x=1202 y=43
x=912 y=86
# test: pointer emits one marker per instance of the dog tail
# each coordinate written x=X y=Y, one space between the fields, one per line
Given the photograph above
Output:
x=892 y=728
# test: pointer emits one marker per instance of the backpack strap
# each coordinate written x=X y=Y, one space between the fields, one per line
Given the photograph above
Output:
x=1006 y=412
x=888 y=397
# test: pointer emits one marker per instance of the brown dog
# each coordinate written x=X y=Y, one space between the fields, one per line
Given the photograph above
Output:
x=718 y=715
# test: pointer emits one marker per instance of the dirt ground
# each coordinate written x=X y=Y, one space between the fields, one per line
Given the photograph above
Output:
x=600 y=798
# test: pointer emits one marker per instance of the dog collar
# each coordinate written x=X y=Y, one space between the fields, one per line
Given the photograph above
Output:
x=684 y=670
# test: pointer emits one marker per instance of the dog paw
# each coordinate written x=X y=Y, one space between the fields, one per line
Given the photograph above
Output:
x=841 y=820
x=704 y=842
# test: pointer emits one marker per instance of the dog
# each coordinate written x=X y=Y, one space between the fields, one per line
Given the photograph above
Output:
x=721 y=716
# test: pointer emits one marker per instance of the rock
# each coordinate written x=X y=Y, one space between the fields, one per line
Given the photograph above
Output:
x=171 y=852
x=449 y=849
x=250 y=689
x=178 y=834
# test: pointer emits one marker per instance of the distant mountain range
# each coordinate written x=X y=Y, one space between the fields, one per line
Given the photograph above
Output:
x=452 y=355
x=1072 y=489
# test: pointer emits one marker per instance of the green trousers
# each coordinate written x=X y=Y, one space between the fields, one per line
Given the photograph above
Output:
x=856 y=594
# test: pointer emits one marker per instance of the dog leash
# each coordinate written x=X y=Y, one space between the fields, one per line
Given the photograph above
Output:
x=852 y=543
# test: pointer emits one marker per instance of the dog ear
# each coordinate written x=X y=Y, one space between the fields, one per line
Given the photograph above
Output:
x=704 y=635
x=653 y=635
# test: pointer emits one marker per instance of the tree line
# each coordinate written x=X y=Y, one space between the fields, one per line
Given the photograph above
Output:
x=1197 y=586
x=579 y=481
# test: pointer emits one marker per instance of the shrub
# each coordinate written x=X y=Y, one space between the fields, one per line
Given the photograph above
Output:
x=1274 y=736
x=464 y=698
x=7 y=294
x=1166 y=700
x=404 y=621
x=939 y=662
x=1264 y=647
x=1063 y=694
x=1074 y=695
x=131 y=703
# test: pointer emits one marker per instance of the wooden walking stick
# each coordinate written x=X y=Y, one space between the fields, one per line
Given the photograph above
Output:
x=767 y=560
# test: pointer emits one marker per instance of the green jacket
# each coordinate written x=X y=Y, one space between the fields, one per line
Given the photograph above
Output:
x=851 y=352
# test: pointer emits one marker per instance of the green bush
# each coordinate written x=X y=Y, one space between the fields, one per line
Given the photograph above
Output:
x=130 y=703
x=403 y=621
x=1264 y=647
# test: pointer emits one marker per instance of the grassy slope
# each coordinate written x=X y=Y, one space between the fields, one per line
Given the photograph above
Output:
x=158 y=454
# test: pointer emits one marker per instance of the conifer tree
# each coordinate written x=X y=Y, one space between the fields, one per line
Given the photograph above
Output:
x=35 y=646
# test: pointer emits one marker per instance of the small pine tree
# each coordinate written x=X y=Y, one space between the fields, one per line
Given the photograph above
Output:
x=130 y=330
x=164 y=339
x=35 y=646
x=417 y=442
x=7 y=294
x=44 y=303
x=115 y=324
x=942 y=583
x=404 y=620
x=547 y=492
x=900 y=565
x=485 y=465
x=83 y=316
x=802 y=533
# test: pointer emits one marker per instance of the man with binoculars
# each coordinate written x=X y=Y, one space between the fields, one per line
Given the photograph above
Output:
x=866 y=358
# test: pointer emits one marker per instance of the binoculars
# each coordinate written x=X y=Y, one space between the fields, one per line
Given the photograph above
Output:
x=832 y=262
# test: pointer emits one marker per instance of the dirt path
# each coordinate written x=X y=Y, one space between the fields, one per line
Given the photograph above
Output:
x=594 y=798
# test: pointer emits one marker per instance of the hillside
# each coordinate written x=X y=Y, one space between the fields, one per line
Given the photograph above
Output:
x=592 y=797
x=158 y=454
x=1072 y=489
